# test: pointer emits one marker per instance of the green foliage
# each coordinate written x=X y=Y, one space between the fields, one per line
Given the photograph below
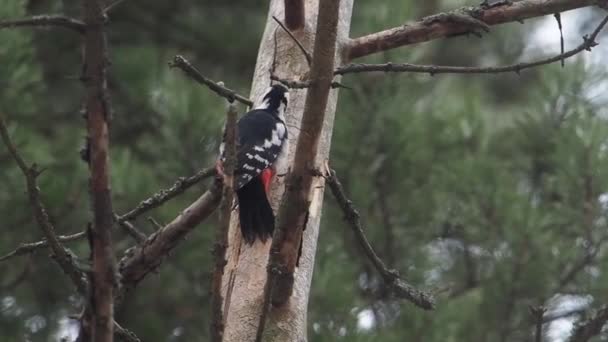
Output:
x=488 y=190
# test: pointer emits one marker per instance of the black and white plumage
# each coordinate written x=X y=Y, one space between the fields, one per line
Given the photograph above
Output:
x=261 y=135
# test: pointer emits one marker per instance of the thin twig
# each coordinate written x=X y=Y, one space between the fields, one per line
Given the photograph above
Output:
x=154 y=223
x=293 y=84
x=399 y=287
x=298 y=43
x=587 y=44
x=181 y=63
x=225 y=210
x=538 y=313
x=28 y=248
x=112 y=6
x=62 y=255
x=159 y=198
x=47 y=20
x=140 y=261
x=130 y=229
x=124 y=334
x=558 y=18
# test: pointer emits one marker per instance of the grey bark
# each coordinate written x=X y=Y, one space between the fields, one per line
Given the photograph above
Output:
x=245 y=274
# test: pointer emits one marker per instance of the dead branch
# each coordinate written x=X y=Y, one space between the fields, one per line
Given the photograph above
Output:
x=124 y=334
x=294 y=14
x=131 y=230
x=98 y=115
x=298 y=43
x=159 y=198
x=28 y=248
x=64 y=257
x=145 y=258
x=538 y=313
x=584 y=331
x=292 y=215
x=181 y=185
x=109 y=8
x=441 y=25
x=587 y=44
x=47 y=20
x=154 y=201
x=221 y=242
x=399 y=287
x=293 y=84
x=231 y=95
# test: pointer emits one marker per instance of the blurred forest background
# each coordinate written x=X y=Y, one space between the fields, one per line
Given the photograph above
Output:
x=491 y=190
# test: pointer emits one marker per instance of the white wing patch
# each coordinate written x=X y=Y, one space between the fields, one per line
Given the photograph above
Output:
x=259 y=157
x=261 y=160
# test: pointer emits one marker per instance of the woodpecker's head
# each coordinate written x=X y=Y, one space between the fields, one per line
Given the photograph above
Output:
x=275 y=99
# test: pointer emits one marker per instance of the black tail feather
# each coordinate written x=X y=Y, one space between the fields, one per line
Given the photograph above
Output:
x=255 y=213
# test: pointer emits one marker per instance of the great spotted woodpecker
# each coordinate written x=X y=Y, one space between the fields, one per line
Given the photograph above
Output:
x=261 y=136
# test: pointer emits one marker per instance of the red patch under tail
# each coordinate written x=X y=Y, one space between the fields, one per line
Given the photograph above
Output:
x=266 y=178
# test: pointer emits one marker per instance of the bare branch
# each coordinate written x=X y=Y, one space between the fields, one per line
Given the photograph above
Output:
x=538 y=313
x=221 y=242
x=293 y=84
x=143 y=259
x=47 y=20
x=112 y=6
x=584 y=331
x=28 y=248
x=159 y=198
x=61 y=255
x=298 y=43
x=424 y=30
x=125 y=335
x=587 y=44
x=558 y=18
x=130 y=229
x=294 y=14
x=292 y=215
x=181 y=63
x=399 y=287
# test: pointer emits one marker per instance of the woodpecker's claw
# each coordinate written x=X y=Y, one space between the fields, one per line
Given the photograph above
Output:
x=219 y=168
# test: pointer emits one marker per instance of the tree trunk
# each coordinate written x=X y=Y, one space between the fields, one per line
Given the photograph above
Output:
x=245 y=274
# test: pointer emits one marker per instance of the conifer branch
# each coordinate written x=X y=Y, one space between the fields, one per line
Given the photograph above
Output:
x=217 y=87
x=586 y=45
x=399 y=288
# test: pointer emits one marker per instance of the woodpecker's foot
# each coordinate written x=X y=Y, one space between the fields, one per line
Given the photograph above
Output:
x=219 y=168
x=463 y=17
